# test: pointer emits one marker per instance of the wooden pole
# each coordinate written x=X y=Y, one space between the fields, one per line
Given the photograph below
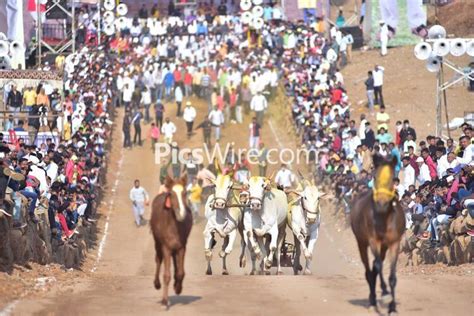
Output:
x=445 y=100
x=367 y=27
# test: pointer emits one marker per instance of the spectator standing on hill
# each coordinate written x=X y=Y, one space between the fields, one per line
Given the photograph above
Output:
x=382 y=118
x=369 y=86
x=378 y=74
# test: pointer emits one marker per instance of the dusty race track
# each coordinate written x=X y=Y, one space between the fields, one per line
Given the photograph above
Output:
x=122 y=283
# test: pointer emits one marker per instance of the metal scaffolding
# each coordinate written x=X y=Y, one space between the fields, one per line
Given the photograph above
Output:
x=68 y=41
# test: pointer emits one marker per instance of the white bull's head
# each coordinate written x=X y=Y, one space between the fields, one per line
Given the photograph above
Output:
x=257 y=188
x=223 y=186
x=310 y=200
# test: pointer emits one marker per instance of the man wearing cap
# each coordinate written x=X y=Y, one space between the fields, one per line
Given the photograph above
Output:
x=424 y=171
x=189 y=115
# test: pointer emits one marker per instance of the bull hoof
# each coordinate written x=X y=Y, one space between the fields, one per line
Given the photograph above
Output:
x=165 y=302
x=266 y=272
x=208 y=271
x=225 y=272
x=307 y=272
x=157 y=284
x=268 y=264
x=253 y=272
x=242 y=262
x=386 y=299
x=373 y=309
x=222 y=254
x=279 y=272
x=178 y=288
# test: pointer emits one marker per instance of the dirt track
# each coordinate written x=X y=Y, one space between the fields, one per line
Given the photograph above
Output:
x=123 y=281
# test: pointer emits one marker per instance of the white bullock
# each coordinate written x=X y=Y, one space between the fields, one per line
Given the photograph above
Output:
x=221 y=219
x=265 y=214
x=304 y=219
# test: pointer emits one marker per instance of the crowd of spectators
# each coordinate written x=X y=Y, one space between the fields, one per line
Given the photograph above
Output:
x=60 y=176
x=434 y=177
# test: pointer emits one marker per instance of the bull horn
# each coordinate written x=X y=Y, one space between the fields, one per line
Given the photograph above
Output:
x=294 y=192
x=301 y=175
x=217 y=166
x=270 y=178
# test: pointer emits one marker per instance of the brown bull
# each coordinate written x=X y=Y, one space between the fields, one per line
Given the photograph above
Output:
x=378 y=222
x=171 y=223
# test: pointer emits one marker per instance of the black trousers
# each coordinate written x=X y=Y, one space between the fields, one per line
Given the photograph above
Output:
x=159 y=121
x=189 y=126
x=138 y=134
x=127 y=141
x=378 y=95
x=178 y=110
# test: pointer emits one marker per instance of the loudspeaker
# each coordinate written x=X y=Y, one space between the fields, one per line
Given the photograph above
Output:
x=356 y=33
x=122 y=9
x=441 y=47
x=4 y=48
x=436 y=31
x=470 y=48
x=433 y=64
x=423 y=51
x=5 y=63
x=245 y=5
x=246 y=17
x=109 y=5
x=458 y=47
x=109 y=29
x=108 y=17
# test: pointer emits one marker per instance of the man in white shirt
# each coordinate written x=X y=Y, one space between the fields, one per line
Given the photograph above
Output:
x=378 y=83
x=445 y=162
x=284 y=177
x=139 y=198
x=408 y=173
x=217 y=119
x=168 y=129
x=189 y=115
x=468 y=150
x=259 y=105
x=424 y=171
